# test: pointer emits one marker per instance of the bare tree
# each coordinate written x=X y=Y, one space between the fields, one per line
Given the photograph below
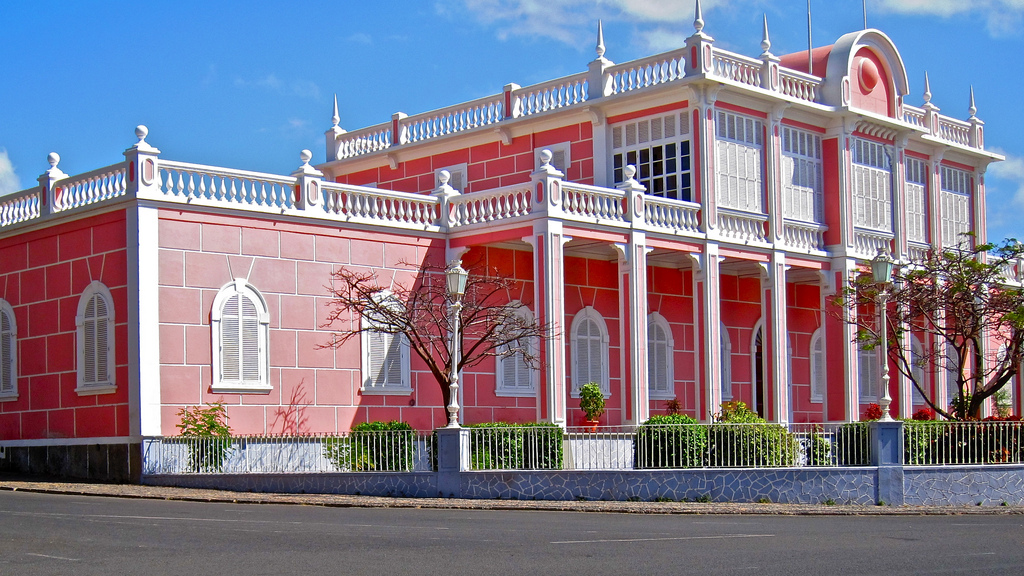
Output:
x=966 y=302
x=492 y=321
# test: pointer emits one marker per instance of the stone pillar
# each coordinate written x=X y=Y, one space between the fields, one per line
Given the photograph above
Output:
x=307 y=184
x=452 y=460
x=775 y=337
x=887 y=455
x=707 y=312
x=633 y=304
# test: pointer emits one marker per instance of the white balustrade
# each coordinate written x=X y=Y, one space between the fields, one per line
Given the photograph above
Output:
x=19 y=207
x=365 y=141
x=550 y=95
x=954 y=131
x=91 y=187
x=915 y=116
x=591 y=203
x=804 y=235
x=458 y=118
x=358 y=203
x=867 y=243
x=649 y=71
x=490 y=206
x=737 y=68
x=799 y=85
x=917 y=252
x=208 y=184
x=673 y=215
x=740 y=226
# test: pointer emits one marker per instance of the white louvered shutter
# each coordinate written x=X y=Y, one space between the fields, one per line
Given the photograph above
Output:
x=7 y=337
x=657 y=359
x=230 y=340
x=818 y=367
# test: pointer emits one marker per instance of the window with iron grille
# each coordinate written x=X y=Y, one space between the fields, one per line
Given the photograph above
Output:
x=872 y=189
x=8 y=351
x=95 y=340
x=801 y=175
x=739 y=145
x=240 y=326
x=659 y=148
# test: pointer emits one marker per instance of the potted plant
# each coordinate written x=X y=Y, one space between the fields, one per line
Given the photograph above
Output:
x=592 y=404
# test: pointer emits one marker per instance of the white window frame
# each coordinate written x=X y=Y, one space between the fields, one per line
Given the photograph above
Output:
x=916 y=187
x=955 y=201
x=819 y=365
x=802 y=181
x=8 y=352
x=561 y=156
x=91 y=384
x=660 y=358
x=524 y=383
x=582 y=318
x=665 y=177
x=872 y=185
x=725 y=363
x=369 y=379
x=869 y=374
x=739 y=150
x=241 y=385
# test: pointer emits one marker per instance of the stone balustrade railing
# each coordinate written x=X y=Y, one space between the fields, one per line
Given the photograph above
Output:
x=490 y=205
x=365 y=141
x=955 y=131
x=799 y=235
x=739 y=226
x=593 y=204
x=737 y=68
x=672 y=215
x=917 y=252
x=195 y=183
x=372 y=205
x=867 y=243
x=458 y=118
x=646 y=72
x=91 y=187
x=913 y=115
x=20 y=207
x=550 y=95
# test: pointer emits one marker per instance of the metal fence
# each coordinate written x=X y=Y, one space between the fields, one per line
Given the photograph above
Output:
x=949 y=443
x=366 y=451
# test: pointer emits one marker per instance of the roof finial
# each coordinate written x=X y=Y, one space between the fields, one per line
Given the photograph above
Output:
x=927 y=89
x=600 y=40
x=336 y=118
x=972 y=109
x=766 y=42
x=698 y=18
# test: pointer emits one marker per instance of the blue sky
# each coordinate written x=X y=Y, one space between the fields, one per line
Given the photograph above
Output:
x=250 y=84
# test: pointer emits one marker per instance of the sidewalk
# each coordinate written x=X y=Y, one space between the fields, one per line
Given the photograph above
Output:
x=53 y=486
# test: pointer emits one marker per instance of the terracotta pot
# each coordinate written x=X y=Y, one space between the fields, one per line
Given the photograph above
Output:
x=592 y=424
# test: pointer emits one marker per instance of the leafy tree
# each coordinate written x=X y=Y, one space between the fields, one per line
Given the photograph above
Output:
x=492 y=322
x=964 y=298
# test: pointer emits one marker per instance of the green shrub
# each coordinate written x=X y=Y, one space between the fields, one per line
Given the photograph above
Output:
x=505 y=446
x=206 y=433
x=592 y=401
x=670 y=441
x=373 y=446
x=742 y=438
x=818 y=449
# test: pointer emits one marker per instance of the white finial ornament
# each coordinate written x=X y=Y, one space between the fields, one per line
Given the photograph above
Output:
x=545 y=157
x=972 y=109
x=698 y=18
x=305 y=156
x=443 y=177
x=141 y=132
x=336 y=118
x=629 y=171
x=53 y=158
x=600 y=40
x=927 y=89
x=766 y=42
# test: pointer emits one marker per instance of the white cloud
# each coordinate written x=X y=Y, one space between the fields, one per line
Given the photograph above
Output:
x=8 y=178
x=1011 y=170
x=301 y=88
x=360 y=38
x=1003 y=16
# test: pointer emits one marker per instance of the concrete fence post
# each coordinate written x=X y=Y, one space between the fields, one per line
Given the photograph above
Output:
x=452 y=460
x=887 y=455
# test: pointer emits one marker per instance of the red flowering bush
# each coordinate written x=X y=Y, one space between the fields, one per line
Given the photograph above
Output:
x=924 y=414
x=874 y=412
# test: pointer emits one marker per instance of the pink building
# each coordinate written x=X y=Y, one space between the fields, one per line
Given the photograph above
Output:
x=684 y=230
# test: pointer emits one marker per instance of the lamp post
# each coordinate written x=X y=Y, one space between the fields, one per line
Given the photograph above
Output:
x=881 y=271
x=455 y=276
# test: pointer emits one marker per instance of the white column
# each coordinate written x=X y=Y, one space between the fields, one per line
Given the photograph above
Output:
x=707 y=312
x=773 y=310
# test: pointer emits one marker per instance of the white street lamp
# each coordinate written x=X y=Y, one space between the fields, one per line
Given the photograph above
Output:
x=455 y=276
x=881 y=270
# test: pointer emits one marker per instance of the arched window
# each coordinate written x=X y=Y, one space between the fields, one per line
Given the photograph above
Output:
x=240 y=326
x=8 y=352
x=726 y=363
x=818 y=365
x=589 y=351
x=515 y=376
x=660 y=381
x=95 y=340
x=385 y=361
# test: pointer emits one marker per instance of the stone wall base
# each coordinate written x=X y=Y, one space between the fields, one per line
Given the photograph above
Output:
x=104 y=462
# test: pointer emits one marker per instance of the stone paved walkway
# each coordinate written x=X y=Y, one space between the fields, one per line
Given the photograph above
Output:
x=32 y=484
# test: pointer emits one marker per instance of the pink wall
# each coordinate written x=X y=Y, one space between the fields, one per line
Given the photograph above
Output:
x=42 y=275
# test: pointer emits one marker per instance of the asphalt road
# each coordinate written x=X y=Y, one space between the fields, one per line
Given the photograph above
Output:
x=82 y=535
